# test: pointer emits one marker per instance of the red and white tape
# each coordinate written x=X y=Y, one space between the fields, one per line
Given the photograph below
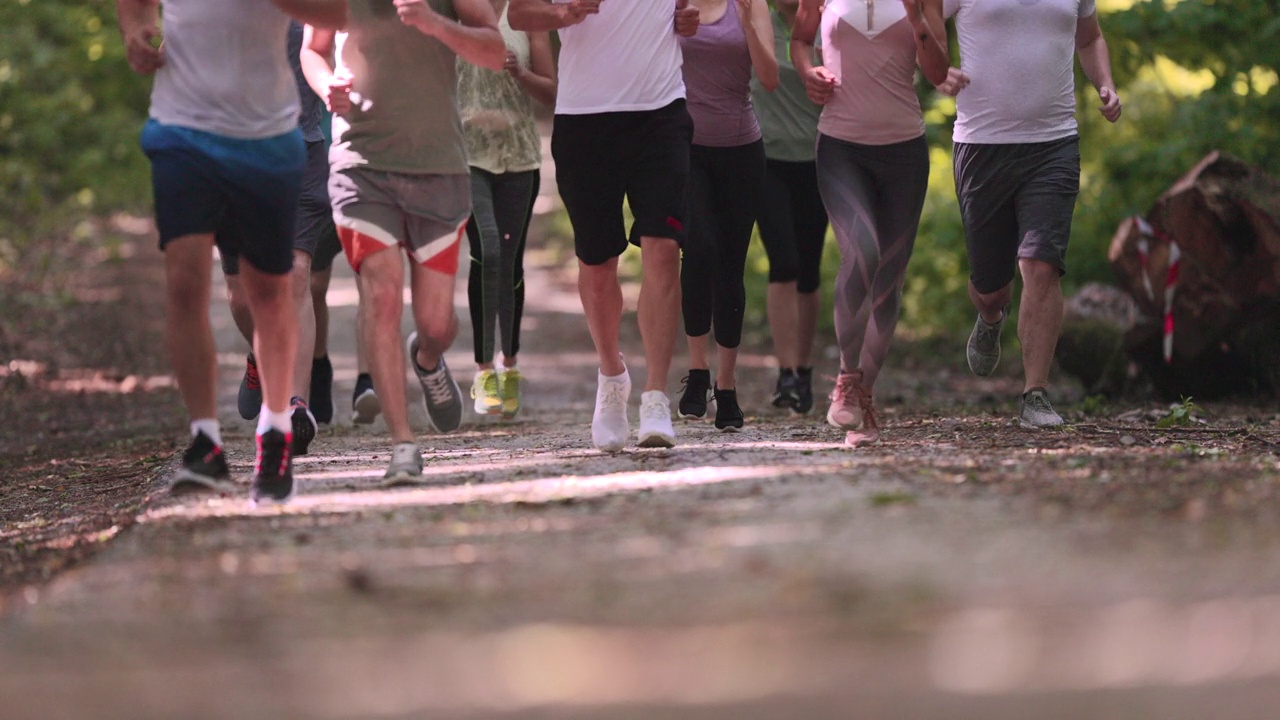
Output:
x=1148 y=234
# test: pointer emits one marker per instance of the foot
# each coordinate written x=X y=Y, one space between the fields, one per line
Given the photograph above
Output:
x=983 y=350
x=273 y=478
x=785 y=391
x=322 y=389
x=846 y=408
x=655 y=420
x=728 y=414
x=486 y=393
x=804 y=390
x=439 y=390
x=511 y=384
x=696 y=398
x=365 y=404
x=249 y=401
x=869 y=431
x=1037 y=413
x=203 y=470
x=609 y=425
x=405 y=467
x=304 y=425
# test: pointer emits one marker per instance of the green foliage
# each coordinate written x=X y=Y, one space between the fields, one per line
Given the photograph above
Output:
x=1179 y=415
x=70 y=112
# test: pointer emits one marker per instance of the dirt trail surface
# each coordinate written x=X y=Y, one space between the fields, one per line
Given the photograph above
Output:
x=961 y=568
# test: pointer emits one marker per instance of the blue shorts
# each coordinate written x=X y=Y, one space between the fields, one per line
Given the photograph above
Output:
x=244 y=192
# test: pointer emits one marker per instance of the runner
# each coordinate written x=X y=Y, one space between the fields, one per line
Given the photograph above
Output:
x=227 y=162
x=726 y=183
x=873 y=171
x=1017 y=168
x=365 y=405
x=399 y=179
x=793 y=222
x=622 y=131
x=505 y=155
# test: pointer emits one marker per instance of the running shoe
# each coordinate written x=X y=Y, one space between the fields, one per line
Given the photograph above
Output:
x=845 y=411
x=440 y=391
x=249 y=400
x=485 y=393
x=322 y=389
x=512 y=388
x=304 y=425
x=728 y=414
x=696 y=398
x=656 y=430
x=273 y=478
x=786 y=391
x=1037 y=413
x=804 y=390
x=365 y=404
x=983 y=349
x=203 y=470
x=609 y=425
x=405 y=467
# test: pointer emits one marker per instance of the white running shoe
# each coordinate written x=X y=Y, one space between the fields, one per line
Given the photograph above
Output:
x=655 y=420
x=609 y=426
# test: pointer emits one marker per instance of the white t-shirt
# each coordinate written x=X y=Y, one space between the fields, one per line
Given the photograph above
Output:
x=625 y=58
x=1020 y=58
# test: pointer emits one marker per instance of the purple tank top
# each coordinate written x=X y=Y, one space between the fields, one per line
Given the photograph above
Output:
x=717 y=79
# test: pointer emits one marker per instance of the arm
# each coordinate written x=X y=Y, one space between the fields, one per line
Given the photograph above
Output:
x=819 y=82
x=540 y=79
x=687 y=18
x=139 y=25
x=930 y=31
x=317 y=68
x=474 y=38
x=1095 y=59
x=760 y=41
x=543 y=16
x=322 y=13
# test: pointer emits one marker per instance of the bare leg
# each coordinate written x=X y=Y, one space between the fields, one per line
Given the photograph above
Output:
x=602 y=303
x=1039 y=320
x=991 y=305
x=320 y=306
x=362 y=355
x=807 y=306
x=239 y=303
x=300 y=291
x=381 y=279
x=276 y=333
x=433 y=313
x=188 y=267
x=784 y=313
x=726 y=368
x=659 y=311
x=698 y=351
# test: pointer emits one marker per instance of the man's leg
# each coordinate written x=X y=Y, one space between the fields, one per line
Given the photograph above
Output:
x=188 y=268
x=239 y=304
x=276 y=333
x=300 y=294
x=433 y=313
x=381 y=280
x=320 y=308
x=659 y=308
x=1039 y=320
x=602 y=304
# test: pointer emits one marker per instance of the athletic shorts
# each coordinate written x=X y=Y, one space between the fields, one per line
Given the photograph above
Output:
x=602 y=158
x=426 y=214
x=314 y=232
x=243 y=192
x=1016 y=202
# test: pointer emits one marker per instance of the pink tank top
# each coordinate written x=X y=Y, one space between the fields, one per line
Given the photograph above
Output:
x=717 y=81
x=870 y=47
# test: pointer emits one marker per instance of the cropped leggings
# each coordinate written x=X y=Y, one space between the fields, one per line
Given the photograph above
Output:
x=874 y=195
x=502 y=205
x=793 y=223
x=725 y=187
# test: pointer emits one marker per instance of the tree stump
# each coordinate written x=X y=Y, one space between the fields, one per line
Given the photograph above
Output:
x=1203 y=269
x=1091 y=347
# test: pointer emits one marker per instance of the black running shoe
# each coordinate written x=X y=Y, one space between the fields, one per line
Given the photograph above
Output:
x=804 y=390
x=728 y=414
x=322 y=389
x=785 y=393
x=273 y=479
x=696 y=394
x=204 y=470
x=249 y=401
x=304 y=425
x=365 y=405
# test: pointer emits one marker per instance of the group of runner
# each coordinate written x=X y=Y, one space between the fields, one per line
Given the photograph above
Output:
x=708 y=117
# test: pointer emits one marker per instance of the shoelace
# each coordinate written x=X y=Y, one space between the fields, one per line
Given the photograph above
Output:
x=869 y=419
x=439 y=387
x=614 y=394
x=266 y=456
x=847 y=386
x=251 y=379
x=655 y=408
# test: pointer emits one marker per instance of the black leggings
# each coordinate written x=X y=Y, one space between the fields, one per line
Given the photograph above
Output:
x=725 y=185
x=502 y=206
x=793 y=223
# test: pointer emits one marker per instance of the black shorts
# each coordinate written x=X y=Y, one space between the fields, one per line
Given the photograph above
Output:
x=1016 y=202
x=314 y=232
x=603 y=158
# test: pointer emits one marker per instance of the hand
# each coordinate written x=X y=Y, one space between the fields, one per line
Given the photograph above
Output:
x=418 y=14
x=1111 y=105
x=820 y=84
x=576 y=11
x=144 y=54
x=956 y=81
x=687 y=18
x=338 y=96
x=513 y=66
x=915 y=12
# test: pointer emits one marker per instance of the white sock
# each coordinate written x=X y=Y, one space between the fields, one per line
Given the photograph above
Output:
x=281 y=421
x=208 y=426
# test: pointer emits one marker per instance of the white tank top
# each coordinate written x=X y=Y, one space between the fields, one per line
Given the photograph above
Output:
x=625 y=58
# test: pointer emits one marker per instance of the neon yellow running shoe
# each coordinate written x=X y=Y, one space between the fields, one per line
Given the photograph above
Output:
x=484 y=390
x=512 y=388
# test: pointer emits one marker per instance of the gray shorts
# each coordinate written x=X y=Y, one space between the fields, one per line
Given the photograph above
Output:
x=1016 y=202
x=425 y=214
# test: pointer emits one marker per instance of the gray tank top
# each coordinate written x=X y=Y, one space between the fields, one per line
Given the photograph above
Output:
x=717 y=79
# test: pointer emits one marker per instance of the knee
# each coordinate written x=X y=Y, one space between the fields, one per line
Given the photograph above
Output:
x=236 y=296
x=1038 y=274
x=438 y=329
x=300 y=279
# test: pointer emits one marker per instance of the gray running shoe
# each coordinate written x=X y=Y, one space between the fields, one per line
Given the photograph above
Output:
x=405 y=467
x=1037 y=413
x=983 y=350
x=439 y=390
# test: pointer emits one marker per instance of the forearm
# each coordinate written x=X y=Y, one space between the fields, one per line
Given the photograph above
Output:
x=317 y=69
x=763 y=61
x=931 y=50
x=802 y=55
x=537 y=16
x=1095 y=60
x=540 y=88
x=320 y=13
x=480 y=46
x=134 y=15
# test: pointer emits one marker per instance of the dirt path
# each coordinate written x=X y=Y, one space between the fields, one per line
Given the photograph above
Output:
x=962 y=568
